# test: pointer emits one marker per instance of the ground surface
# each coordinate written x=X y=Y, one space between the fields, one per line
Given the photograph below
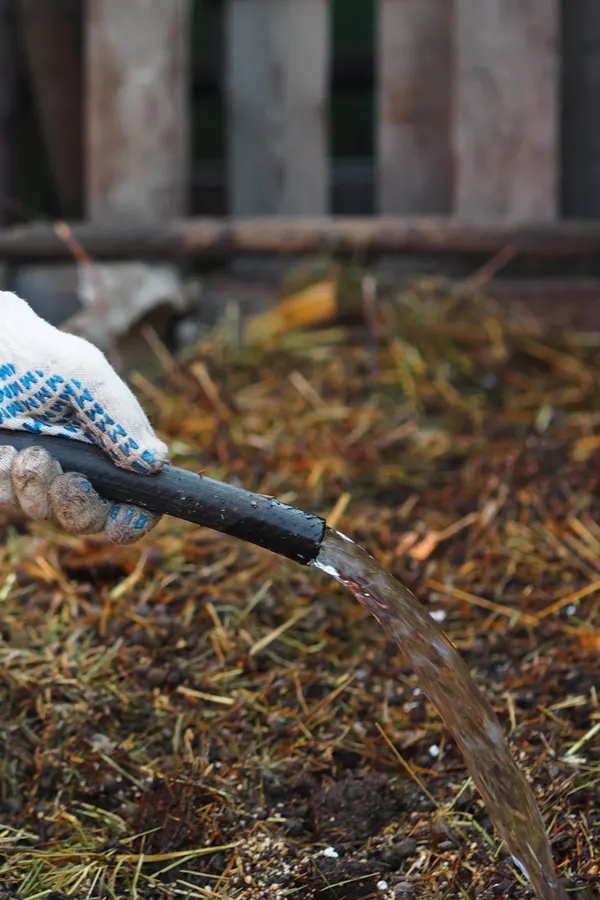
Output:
x=195 y=718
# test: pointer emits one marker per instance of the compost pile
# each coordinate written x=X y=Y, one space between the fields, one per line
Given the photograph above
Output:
x=193 y=717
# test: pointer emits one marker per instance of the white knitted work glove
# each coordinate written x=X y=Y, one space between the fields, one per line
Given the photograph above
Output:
x=57 y=383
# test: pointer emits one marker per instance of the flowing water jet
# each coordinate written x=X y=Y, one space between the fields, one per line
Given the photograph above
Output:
x=445 y=679
x=307 y=540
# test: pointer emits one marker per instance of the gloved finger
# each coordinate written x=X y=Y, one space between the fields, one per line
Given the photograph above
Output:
x=76 y=506
x=72 y=390
x=126 y=524
x=8 y=498
x=33 y=472
x=109 y=412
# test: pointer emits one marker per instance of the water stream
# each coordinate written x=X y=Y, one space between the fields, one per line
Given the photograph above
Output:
x=444 y=677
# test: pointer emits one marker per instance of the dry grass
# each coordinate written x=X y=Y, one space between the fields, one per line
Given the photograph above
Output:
x=195 y=718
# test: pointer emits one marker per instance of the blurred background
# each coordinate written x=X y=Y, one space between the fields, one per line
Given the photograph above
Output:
x=347 y=253
x=147 y=113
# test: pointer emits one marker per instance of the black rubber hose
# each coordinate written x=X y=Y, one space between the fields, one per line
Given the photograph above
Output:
x=253 y=518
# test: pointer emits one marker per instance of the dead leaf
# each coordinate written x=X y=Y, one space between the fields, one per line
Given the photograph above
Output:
x=313 y=305
x=585 y=447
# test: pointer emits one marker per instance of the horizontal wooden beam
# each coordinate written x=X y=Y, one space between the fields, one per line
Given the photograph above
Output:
x=224 y=238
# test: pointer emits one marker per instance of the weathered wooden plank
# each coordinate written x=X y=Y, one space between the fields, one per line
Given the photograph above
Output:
x=580 y=124
x=52 y=35
x=137 y=117
x=413 y=136
x=277 y=58
x=349 y=70
x=506 y=109
x=565 y=240
x=7 y=105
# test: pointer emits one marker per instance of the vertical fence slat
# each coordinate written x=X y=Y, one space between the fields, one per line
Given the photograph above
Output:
x=581 y=105
x=52 y=39
x=506 y=137
x=7 y=107
x=413 y=141
x=137 y=108
x=277 y=58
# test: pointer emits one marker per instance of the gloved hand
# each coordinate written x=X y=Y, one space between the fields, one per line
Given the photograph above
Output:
x=60 y=384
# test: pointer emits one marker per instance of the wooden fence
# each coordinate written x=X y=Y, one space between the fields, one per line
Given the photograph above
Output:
x=483 y=110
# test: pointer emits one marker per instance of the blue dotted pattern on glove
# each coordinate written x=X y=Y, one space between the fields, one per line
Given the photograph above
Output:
x=48 y=401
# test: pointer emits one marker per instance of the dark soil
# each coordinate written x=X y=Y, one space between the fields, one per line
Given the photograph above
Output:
x=192 y=717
